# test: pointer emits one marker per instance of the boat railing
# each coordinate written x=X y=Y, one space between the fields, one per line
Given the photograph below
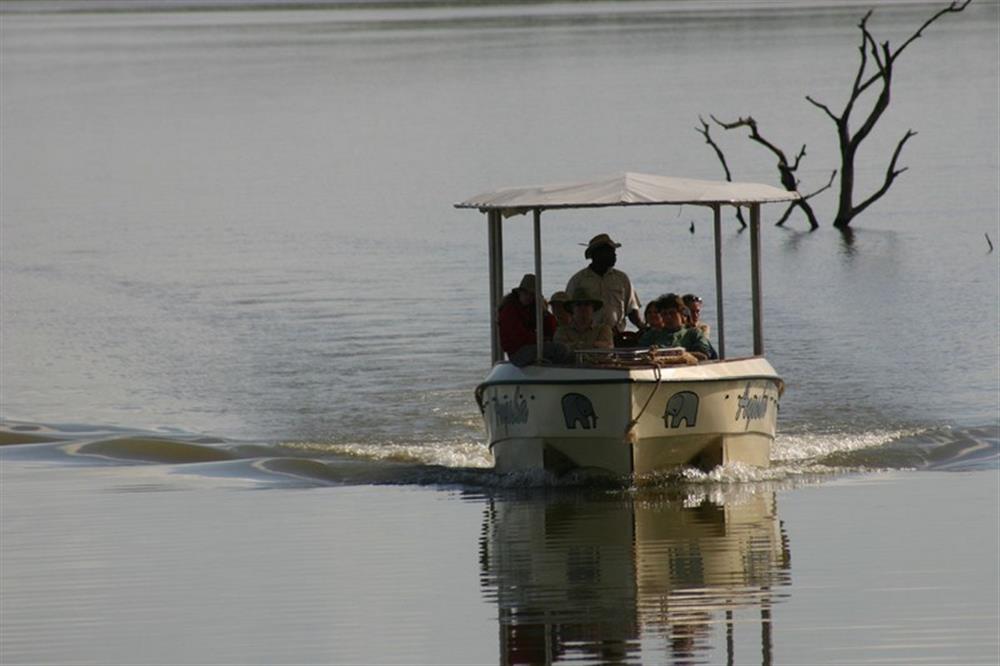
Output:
x=632 y=357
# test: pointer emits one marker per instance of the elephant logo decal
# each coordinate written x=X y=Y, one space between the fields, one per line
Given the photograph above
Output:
x=577 y=408
x=682 y=406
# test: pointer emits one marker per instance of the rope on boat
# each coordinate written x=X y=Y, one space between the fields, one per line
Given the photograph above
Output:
x=630 y=436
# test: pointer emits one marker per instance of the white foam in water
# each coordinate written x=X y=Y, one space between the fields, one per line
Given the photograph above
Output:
x=453 y=454
x=795 y=457
x=813 y=446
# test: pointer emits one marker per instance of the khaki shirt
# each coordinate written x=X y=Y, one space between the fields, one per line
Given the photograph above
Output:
x=614 y=288
x=598 y=336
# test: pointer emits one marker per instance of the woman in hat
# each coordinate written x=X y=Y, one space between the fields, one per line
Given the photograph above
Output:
x=516 y=320
x=583 y=332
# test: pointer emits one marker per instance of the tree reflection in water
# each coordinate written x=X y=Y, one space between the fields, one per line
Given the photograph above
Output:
x=606 y=577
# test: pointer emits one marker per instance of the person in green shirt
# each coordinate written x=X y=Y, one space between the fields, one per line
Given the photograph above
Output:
x=674 y=333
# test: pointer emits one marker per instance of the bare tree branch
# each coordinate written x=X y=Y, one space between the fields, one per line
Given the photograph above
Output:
x=890 y=174
x=784 y=216
x=829 y=184
x=798 y=158
x=954 y=7
x=706 y=132
x=807 y=209
x=824 y=107
x=786 y=171
x=858 y=87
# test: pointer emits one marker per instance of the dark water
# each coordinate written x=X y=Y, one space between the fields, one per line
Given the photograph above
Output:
x=230 y=263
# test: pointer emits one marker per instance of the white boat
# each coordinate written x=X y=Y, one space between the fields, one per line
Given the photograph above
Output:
x=629 y=411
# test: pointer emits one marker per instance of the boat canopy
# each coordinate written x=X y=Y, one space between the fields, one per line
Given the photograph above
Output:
x=626 y=189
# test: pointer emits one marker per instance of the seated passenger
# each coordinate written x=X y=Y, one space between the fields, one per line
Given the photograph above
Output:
x=583 y=331
x=653 y=318
x=667 y=296
x=558 y=305
x=693 y=304
x=516 y=320
x=674 y=333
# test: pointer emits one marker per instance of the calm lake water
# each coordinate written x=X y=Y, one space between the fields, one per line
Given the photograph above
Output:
x=230 y=263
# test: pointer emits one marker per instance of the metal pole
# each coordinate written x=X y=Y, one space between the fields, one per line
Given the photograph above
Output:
x=492 y=224
x=758 y=319
x=539 y=301
x=718 y=281
x=498 y=232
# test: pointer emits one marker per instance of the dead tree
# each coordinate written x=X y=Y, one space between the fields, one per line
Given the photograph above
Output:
x=884 y=58
x=786 y=169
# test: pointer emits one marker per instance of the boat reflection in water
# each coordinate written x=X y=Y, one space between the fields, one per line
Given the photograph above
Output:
x=615 y=578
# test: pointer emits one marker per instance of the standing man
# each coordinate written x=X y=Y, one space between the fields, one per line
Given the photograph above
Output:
x=613 y=287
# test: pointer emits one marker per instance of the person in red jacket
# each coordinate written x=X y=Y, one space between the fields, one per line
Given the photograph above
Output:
x=516 y=320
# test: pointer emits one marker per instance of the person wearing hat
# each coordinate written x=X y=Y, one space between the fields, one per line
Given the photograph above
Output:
x=610 y=285
x=558 y=304
x=583 y=331
x=516 y=320
x=674 y=333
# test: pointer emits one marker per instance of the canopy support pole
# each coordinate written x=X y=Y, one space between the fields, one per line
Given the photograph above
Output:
x=717 y=209
x=539 y=301
x=495 y=237
x=755 y=281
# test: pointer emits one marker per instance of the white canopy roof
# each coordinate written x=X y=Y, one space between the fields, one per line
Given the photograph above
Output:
x=626 y=189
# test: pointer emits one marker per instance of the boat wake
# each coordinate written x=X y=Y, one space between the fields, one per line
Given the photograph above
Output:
x=797 y=456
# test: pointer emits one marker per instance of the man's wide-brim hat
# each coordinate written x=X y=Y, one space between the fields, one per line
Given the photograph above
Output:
x=581 y=295
x=598 y=241
x=559 y=297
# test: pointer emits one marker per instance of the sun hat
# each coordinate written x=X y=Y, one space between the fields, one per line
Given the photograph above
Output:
x=581 y=295
x=559 y=297
x=527 y=284
x=596 y=242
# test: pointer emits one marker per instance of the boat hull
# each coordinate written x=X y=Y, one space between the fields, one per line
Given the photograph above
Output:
x=631 y=420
